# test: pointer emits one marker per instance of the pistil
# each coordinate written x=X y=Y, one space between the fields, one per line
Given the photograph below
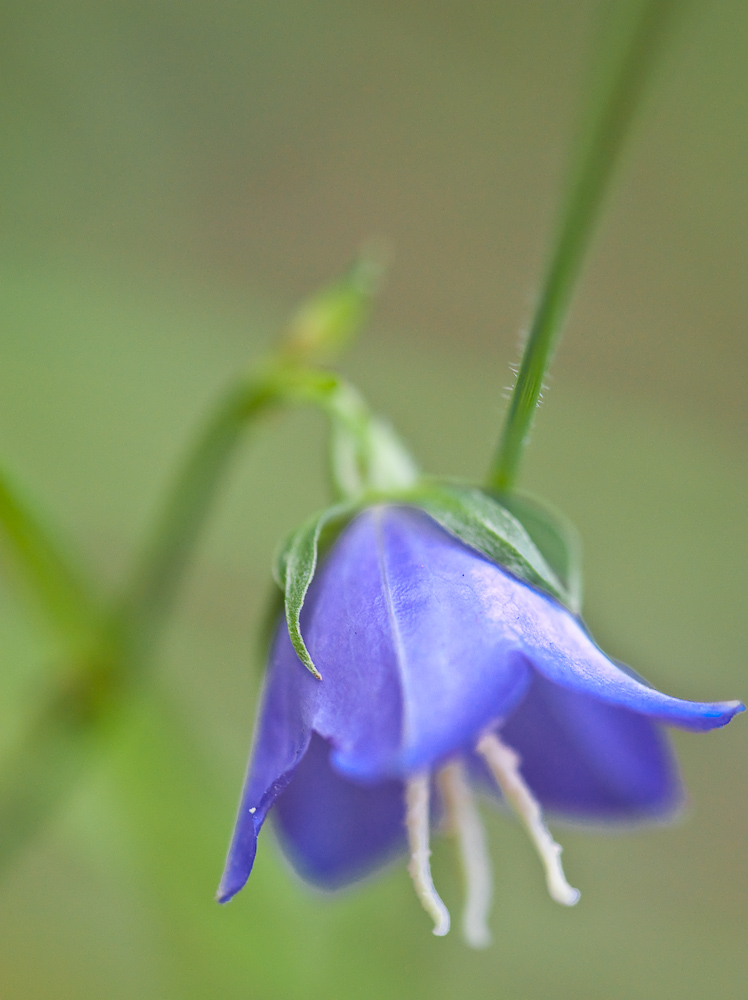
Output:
x=417 y=794
x=504 y=764
x=464 y=822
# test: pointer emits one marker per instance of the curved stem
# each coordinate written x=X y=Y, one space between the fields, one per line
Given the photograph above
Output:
x=588 y=187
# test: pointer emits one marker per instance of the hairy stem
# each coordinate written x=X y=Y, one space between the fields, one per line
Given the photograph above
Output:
x=598 y=154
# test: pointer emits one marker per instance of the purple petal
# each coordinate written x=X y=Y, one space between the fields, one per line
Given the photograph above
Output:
x=241 y=856
x=586 y=759
x=281 y=741
x=558 y=646
x=414 y=657
x=333 y=830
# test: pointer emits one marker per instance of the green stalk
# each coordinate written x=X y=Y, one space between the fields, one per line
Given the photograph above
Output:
x=596 y=160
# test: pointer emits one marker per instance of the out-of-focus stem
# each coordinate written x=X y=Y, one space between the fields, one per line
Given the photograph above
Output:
x=60 y=589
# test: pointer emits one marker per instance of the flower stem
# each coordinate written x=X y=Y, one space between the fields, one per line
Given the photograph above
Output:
x=596 y=157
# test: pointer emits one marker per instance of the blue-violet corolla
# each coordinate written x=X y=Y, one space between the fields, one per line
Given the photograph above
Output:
x=440 y=672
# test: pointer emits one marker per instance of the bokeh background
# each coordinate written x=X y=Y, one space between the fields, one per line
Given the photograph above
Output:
x=175 y=176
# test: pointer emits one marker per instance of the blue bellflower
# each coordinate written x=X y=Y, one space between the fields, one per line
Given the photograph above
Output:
x=442 y=672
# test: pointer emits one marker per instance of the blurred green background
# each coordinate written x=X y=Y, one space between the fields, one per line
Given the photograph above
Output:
x=176 y=175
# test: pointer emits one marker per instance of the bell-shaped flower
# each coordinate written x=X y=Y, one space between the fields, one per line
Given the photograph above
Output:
x=442 y=672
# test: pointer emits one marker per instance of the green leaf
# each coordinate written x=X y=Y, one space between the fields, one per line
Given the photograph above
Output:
x=295 y=566
x=555 y=537
x=481 y=522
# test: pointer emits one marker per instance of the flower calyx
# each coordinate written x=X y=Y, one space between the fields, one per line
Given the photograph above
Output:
x=520 y=534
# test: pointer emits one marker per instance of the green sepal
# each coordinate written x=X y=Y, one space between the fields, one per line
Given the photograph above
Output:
x=556 y=538
x=482 y=522
x=295 y=565
x=519 y=533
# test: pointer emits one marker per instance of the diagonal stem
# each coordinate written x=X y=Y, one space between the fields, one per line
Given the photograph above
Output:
x=589 y=184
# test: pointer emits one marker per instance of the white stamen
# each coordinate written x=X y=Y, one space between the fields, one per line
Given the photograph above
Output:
x=504 y=764
x=463 y=820
x=417 y=823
